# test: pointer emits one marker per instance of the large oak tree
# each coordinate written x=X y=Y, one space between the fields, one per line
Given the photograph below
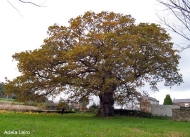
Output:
x=104 y=54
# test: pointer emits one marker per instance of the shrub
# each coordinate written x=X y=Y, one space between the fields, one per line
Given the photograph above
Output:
x=167 y=100
x=62 y=104
x=93 y=108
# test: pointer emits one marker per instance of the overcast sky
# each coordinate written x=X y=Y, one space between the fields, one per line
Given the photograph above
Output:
x=25 y=28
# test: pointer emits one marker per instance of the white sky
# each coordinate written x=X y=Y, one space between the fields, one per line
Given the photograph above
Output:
x=28 y=30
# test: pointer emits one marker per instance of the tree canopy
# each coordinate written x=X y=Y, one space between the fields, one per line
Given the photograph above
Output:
x=167 y=100
x=104 y=54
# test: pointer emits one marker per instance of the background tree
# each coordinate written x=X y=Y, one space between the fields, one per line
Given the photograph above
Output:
x=63 y=104
x=2 y=94
x=104 y=54
x=167 y=100
x=180 y=9
x=93 y=108
x=1 y=87
x=145 y=104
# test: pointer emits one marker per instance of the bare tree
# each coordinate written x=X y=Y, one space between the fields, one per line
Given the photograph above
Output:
x=180 y=9
x=26 y=2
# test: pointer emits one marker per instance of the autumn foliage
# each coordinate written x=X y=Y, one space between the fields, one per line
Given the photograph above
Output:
x=104 y=54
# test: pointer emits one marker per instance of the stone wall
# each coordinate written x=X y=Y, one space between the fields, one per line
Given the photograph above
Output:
x=181 y=114
x=162 y=110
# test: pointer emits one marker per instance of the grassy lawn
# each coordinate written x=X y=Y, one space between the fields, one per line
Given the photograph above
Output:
x=4 y=100
x=9 y=101
x=86 y=125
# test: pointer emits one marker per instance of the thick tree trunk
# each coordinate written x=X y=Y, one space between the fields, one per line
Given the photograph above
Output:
x=106 y=104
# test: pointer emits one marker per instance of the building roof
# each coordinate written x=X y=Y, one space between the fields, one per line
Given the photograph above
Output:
x=150 y=98
x=181 y=100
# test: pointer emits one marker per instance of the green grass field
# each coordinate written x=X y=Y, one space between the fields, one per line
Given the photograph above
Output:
x=87 y=125
x=4 y=100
